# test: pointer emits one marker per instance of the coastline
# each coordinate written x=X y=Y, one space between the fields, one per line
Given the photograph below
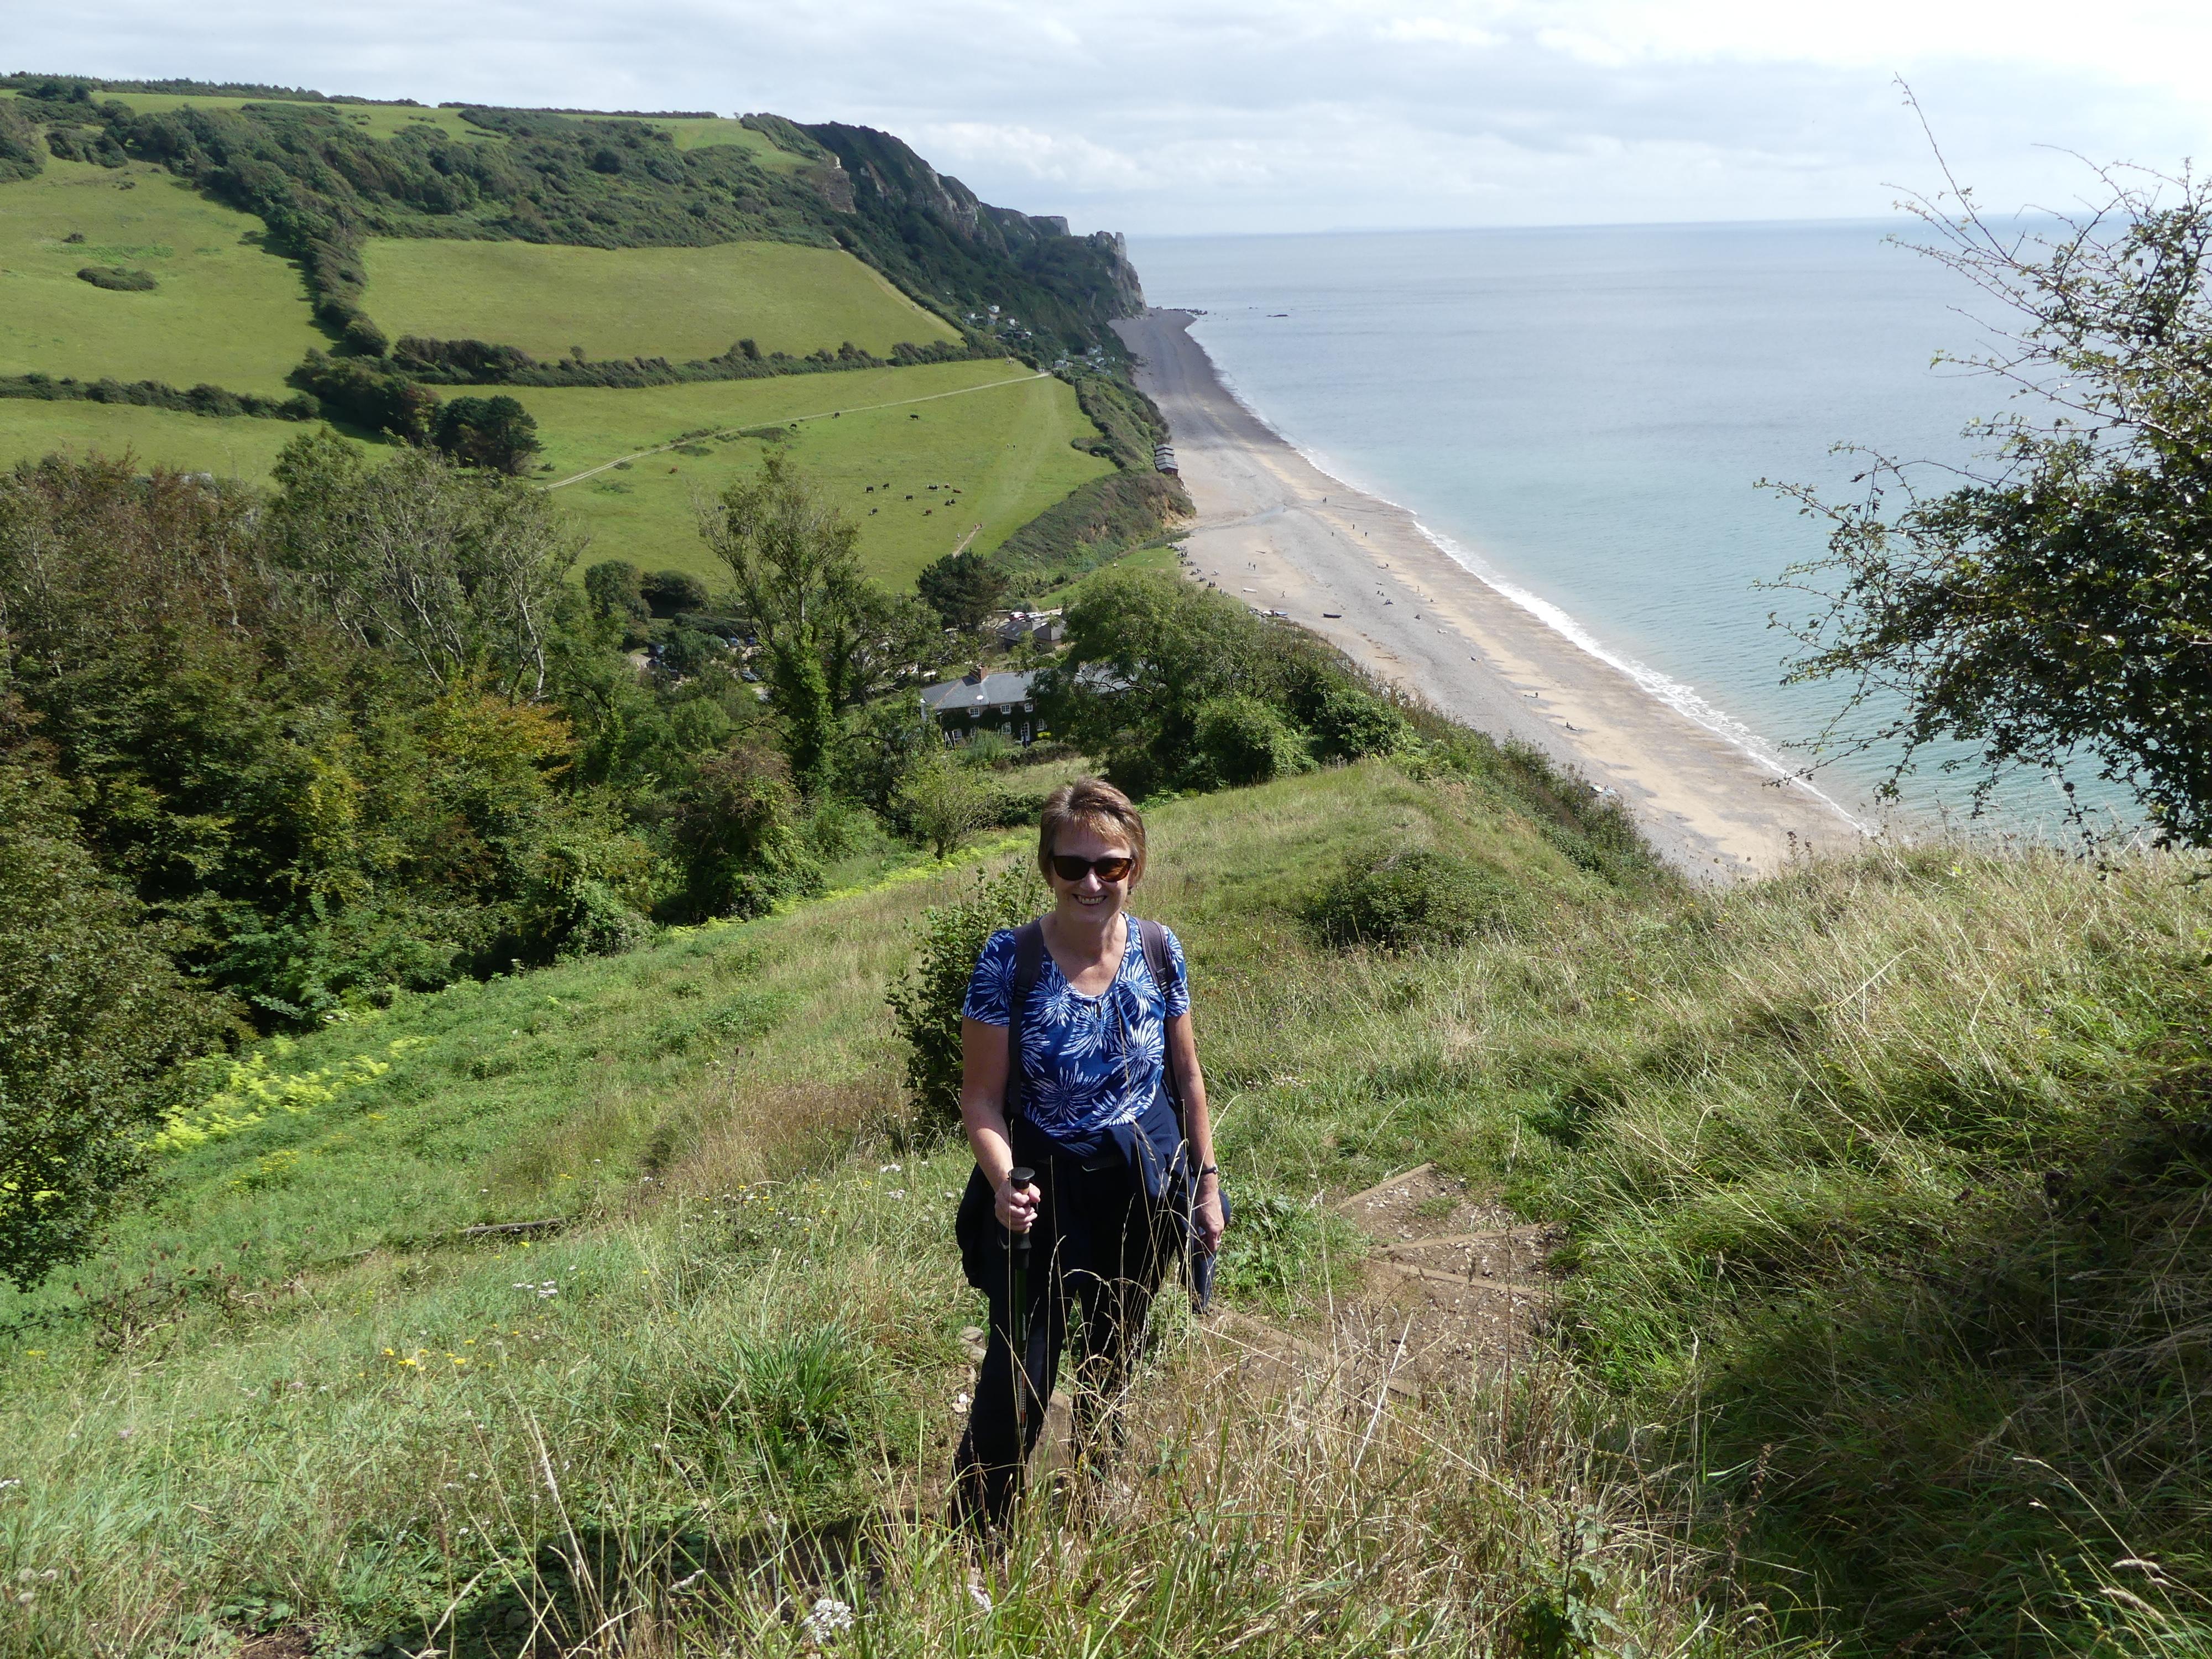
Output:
x=1278 y=531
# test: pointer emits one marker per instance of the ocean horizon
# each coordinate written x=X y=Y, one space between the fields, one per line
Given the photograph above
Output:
x=1583 y=415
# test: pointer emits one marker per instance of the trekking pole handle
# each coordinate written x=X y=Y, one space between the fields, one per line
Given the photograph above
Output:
x=1019 y=1177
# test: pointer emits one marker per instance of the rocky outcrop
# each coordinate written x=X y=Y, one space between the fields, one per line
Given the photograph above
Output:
x=1086 y=280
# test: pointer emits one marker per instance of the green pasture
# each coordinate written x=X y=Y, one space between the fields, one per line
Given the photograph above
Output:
x=675 y=303
x=227 y=311
x=691 y=134
x=383 y=120
x=240 y=447
x=999 y=436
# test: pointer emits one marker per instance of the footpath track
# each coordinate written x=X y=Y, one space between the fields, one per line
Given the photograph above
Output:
x=1450 y=1293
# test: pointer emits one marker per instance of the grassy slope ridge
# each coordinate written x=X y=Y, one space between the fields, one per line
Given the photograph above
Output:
x=679 y=303
x=1803 y=1135
x=227 y=311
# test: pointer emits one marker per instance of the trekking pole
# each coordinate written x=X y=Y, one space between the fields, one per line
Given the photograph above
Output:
x=1017 y=1316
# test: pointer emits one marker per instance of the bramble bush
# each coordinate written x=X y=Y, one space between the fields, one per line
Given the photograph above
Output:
x=1407 y=897
x=926 y=1004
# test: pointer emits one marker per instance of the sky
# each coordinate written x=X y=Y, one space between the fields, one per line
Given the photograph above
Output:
x=1288 y=115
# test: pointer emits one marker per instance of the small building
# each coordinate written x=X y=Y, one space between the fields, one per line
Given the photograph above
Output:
x=1034 y=627
x=1164 y=459
x=981 y=701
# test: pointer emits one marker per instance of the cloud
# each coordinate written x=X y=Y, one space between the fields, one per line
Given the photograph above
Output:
x=1287 y=114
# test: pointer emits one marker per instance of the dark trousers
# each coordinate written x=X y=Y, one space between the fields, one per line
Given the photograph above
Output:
x=1097 y=1252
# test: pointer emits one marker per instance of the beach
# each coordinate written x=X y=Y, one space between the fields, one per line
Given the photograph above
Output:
x=1276 y=531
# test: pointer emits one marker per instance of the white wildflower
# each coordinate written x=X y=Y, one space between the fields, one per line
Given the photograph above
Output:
x=830 y=1617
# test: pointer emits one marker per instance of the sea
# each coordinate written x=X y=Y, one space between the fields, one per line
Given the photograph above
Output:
x=1591 y=418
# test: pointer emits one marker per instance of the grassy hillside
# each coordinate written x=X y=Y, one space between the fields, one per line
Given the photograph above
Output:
x=994 y=434
x=1815 y=1143
x=350 y=1397
x=679 y=303
x=226 y=310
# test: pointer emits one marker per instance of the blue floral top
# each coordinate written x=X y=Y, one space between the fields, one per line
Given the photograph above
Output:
x=1088 y=1063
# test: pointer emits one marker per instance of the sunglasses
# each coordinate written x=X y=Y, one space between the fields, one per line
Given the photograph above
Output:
x=1110 y=868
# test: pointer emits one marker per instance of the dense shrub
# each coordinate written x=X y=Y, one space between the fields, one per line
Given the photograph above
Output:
x=498 y=433
x=314 y=734
x=93 y=1019
x=926 y=1004
x=118 y=278
x=202 y=399
x=741 y=833
x=616 y=589
x=1351 y=724
x=1408 y=897
x=669 y=592
x=1173 y=685
x=1090 y=525
x=1238 y=739
x=367 y=394
x=19 y=157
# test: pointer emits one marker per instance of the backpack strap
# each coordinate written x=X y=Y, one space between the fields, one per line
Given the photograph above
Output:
x=1154 y=939
x=1029 y=964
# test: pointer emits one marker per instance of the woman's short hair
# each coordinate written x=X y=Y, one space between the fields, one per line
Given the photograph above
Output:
x=1095 y=805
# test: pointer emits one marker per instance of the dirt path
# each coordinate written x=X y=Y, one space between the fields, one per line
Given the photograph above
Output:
x=1450 y=1293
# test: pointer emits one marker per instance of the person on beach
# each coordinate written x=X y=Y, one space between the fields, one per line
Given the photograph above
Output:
x=1080 y=1069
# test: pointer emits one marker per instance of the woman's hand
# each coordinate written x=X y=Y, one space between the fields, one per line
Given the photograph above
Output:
x=1018 y=1206
x=1205 y=1215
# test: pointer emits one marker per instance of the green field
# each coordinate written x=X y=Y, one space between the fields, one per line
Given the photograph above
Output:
x=1002 y=439
x=225 y=312
x=699 y=134
x=675 y=302
x=235 y=448
x=384 y=120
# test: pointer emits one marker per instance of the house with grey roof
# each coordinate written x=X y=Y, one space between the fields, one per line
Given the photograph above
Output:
x=977 y=702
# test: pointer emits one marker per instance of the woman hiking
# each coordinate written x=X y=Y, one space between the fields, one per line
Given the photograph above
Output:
x=1078 y=1052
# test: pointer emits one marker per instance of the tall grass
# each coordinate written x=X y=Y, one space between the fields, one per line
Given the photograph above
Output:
x=1884 y=1189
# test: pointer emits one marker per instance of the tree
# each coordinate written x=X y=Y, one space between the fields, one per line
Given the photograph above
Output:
x=93 y=1022
x=738 y=826
x=963 y=588
x=362 y=391
x=874 y=637
x=668 y=592
x=799 y=582
x=2054 y=609
x=457 y=575
x=614 y=587
x=945 y=802
x=498 y=433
